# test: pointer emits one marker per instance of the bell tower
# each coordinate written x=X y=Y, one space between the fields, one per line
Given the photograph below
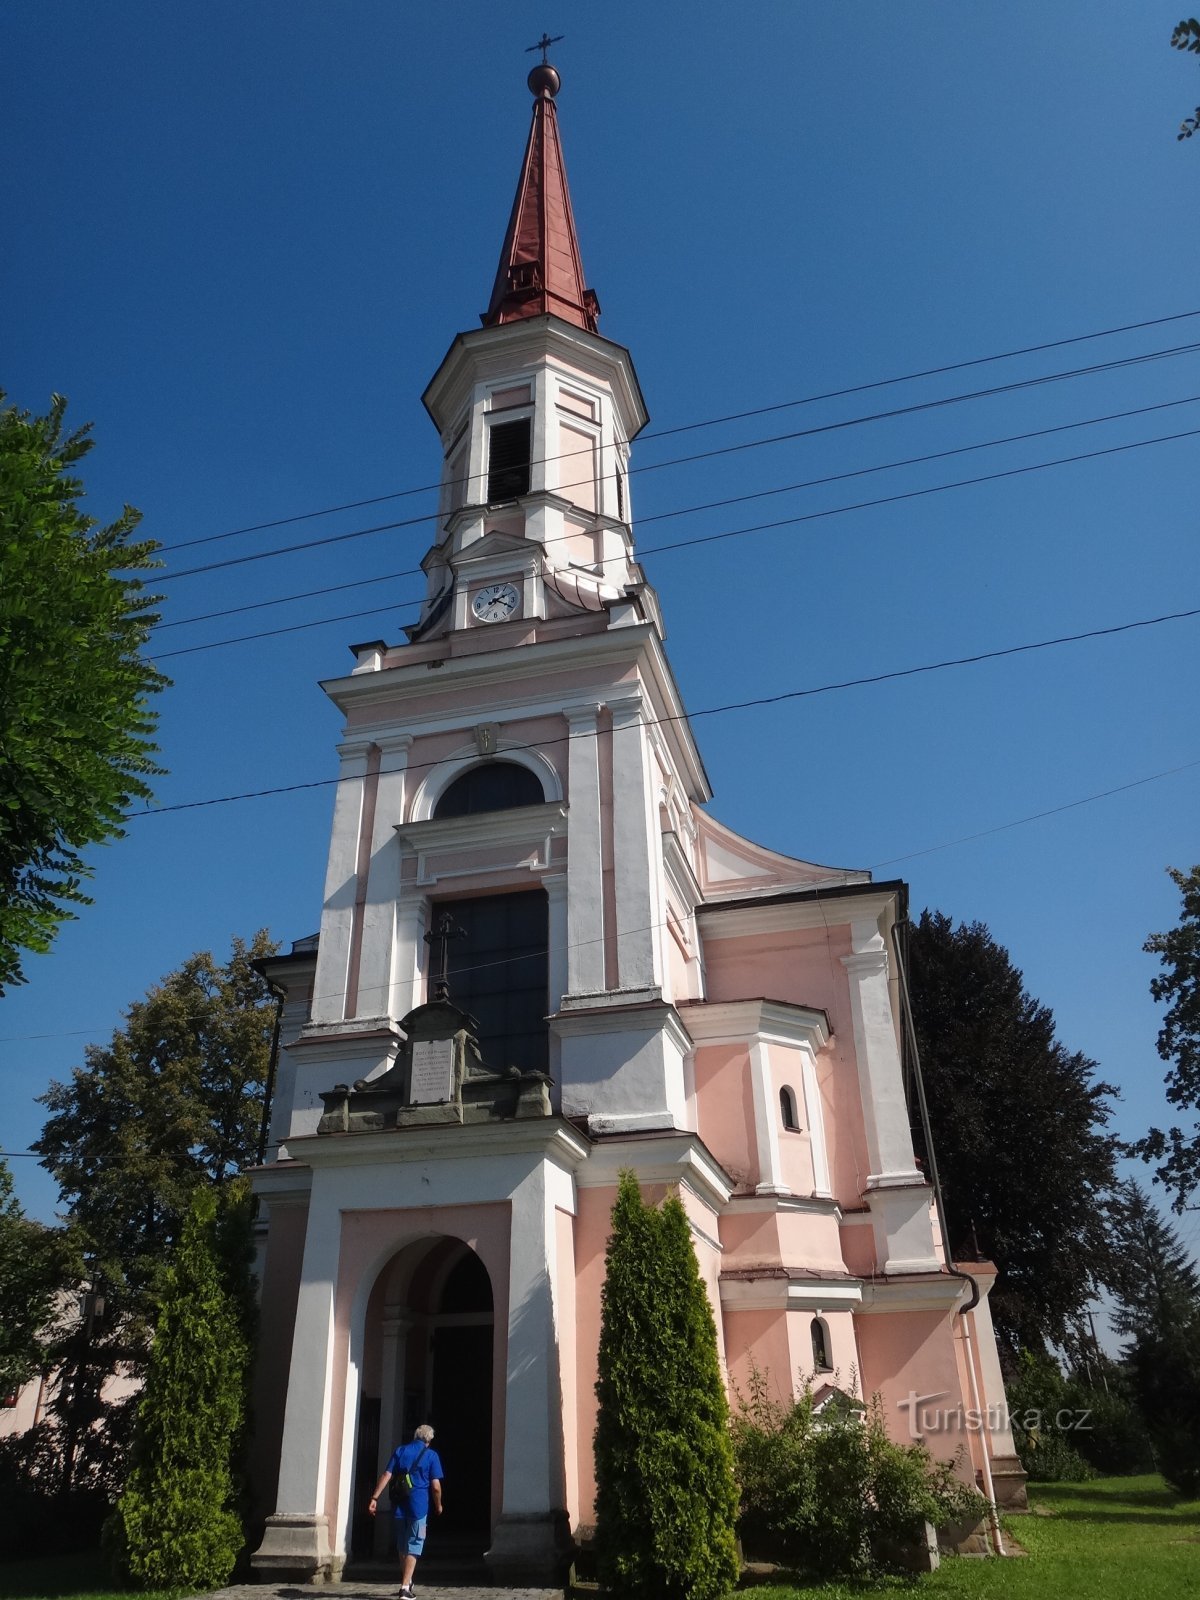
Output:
x=536 y=413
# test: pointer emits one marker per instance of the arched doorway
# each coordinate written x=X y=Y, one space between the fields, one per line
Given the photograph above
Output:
x=428 y=1358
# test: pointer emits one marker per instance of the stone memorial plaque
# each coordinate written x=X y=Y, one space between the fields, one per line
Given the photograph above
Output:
x=432 y=1071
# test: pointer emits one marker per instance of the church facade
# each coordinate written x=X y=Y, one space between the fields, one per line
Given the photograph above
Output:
x=542 y=961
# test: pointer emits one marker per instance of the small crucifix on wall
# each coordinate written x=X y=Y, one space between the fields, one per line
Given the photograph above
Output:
x=438 y=939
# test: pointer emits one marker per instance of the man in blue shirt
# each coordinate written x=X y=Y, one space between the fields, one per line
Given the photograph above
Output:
x=420 y=1465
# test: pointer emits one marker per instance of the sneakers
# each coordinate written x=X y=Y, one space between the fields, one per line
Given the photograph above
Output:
x=406 y=1591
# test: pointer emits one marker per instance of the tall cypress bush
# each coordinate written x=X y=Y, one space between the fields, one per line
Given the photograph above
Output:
x=177 y=1524
x=666 y=1501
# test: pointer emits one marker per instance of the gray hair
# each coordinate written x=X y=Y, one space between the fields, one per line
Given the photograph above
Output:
x=424 y=1433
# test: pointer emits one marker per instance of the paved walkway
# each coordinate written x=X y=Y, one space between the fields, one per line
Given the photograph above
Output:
x=381 y=1591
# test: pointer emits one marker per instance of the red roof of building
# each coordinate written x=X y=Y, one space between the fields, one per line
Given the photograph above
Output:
x=540 y=271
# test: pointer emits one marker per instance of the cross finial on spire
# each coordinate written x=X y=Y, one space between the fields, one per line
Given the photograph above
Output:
x=544 y=44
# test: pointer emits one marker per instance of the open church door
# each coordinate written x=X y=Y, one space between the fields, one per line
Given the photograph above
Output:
x=461 y=1403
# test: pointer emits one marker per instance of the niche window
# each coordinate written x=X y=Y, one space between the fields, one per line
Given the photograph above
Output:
x=508 y=460
x=492 y=786
x=820 y=1345
x=787 y=1110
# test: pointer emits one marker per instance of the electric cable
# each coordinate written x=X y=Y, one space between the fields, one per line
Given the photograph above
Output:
x=711 y=422
x=705 y=455
x=711 y=505
x=1036 y=816
x=731 y=533
x=712 y=711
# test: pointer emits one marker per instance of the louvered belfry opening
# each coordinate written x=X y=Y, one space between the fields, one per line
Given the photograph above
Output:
x=508 y=460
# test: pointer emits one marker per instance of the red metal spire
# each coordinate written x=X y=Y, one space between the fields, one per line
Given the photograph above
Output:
x=540 y=271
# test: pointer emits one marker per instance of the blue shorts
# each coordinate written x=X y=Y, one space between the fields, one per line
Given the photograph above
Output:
x=410 y=1535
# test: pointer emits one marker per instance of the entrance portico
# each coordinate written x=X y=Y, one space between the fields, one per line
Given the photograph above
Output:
x=386 y=1232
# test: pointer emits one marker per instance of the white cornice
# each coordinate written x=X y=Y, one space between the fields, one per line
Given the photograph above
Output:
x=738 y=1021
x=520 y=825
x=934 y=1293
x=613 y=1017
x=812 y=1204
x=667 y=1158
x=503 y=673
x=443 y=1142
x=282 y=1182
x=796 y=1292
x=787 y=916
x=534 y=339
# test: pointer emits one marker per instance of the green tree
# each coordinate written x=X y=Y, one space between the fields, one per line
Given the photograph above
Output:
x=1020 y=1131
x=74 y=686
x=177 y=1524
x=1178 y=1149
x=35 y=1264
x=172 y=1104
x=666 y=1501
x=1159 y=1311
x=1187 y=37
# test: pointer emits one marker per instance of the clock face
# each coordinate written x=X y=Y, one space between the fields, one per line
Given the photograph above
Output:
x=496 y=602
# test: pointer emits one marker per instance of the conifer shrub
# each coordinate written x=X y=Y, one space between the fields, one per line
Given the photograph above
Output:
x=666 y=1500
x=177 y=1524
x=831 y=1495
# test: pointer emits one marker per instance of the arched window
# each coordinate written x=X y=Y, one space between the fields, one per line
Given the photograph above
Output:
x=820 y=1345
x=787 y=1109
x=491 y=786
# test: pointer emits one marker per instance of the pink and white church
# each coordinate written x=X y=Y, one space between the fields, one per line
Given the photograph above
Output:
x=541 y=961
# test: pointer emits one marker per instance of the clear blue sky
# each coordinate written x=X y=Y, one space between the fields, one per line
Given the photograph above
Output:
x=240 y=239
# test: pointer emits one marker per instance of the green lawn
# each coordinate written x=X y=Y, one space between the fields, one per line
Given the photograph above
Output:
x=79 y=1577
x=1114 y=1539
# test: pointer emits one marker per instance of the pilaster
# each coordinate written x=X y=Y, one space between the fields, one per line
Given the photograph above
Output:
x=296 y=1542
x=585 y=877
x=814 y=1112
x=532 y=1534
x=633 y=869
x=378 y=933
x=766 y=1122
x=898 y=1194
x=341 y=878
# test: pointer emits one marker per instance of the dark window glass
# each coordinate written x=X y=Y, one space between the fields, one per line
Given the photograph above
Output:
x=508 y=460
x=500 y=973
x=492 y=786
x=787 y=1107
x=620 y=495
x=820 y=1347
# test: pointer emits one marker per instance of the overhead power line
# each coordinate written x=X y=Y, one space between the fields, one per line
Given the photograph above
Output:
x=949 y=844
x=710 y=505
x=1037 y=816
x=712 y=422
x=729 y=533
x=737 y=705
x=704 y=455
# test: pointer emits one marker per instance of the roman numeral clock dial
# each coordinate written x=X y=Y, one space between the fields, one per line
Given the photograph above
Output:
x=496 y=603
